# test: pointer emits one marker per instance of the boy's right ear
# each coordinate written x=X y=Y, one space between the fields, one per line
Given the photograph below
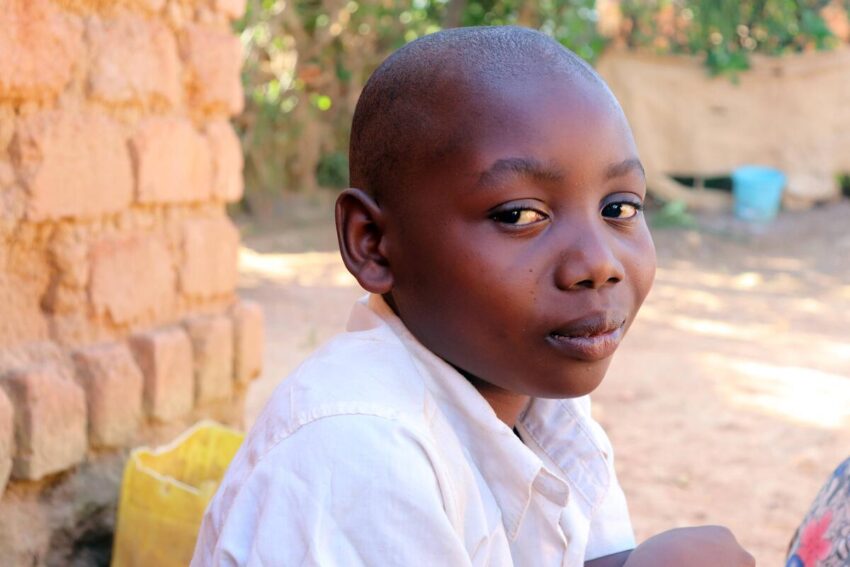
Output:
x=360 y=228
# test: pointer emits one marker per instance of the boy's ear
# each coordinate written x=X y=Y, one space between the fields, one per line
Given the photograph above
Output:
x=360 y=228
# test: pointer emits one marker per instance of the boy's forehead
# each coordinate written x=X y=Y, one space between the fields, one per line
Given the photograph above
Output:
x=481 y=98
x=478 y=109
x=494 y=135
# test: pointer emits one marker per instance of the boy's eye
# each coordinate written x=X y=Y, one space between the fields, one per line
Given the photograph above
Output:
x=518 y=217
x=621 y=210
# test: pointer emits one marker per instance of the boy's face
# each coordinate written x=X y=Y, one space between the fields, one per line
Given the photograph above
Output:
x=520 y=256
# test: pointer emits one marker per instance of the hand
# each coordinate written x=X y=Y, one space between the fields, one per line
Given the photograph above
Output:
x=703 y=546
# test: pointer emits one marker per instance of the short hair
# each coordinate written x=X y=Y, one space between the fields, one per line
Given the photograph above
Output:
x=395 y=124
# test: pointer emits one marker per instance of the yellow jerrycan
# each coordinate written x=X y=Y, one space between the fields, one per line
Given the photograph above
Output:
x=164 y=493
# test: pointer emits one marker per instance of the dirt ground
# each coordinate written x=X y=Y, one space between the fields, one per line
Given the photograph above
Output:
x=729 y=402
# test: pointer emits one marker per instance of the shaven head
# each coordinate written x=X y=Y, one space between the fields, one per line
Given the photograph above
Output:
x=401 y=120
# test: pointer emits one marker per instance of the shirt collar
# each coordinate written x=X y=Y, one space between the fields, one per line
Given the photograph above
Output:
x=565 y=431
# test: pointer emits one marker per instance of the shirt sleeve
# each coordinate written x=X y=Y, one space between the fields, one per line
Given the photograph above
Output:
x=346 y=490
x=610 y=526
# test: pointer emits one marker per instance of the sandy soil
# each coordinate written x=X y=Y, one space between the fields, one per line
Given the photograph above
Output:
x=728 y=403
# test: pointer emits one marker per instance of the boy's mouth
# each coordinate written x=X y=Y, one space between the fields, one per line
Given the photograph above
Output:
x=591 y=338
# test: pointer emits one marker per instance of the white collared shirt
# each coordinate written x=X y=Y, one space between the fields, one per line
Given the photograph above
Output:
x=377 y=452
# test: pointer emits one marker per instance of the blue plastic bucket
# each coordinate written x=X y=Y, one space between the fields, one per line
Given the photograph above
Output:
x=757 y=191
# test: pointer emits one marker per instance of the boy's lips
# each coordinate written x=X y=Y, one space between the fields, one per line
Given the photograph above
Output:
x=591 y=338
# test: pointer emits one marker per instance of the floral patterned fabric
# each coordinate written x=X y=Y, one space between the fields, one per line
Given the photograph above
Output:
x=823 y=539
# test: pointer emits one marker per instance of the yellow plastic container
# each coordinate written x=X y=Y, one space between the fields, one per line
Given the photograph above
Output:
x=164 y=493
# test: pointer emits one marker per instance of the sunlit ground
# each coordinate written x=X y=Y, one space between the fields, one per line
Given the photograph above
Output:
x=771 y=348
x=807 y=396
x=305 y=269
x=728 y=403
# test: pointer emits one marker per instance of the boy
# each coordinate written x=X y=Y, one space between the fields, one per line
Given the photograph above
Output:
x=496 y=221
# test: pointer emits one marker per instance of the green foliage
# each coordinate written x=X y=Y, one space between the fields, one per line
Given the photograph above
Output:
x=726 y=32
x=844 y=183
x=673 y=215
x=571 y=22
x=332 y=170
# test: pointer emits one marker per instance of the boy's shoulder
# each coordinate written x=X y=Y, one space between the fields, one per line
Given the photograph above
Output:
x=355 y=418
x=344 y=442
x=361 y=373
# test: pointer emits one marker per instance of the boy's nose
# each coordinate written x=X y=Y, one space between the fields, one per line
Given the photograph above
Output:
x=588 y=262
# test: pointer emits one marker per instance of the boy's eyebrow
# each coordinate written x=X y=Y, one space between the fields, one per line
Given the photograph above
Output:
x=624 y=167
x=524 y=166
x=531 y=167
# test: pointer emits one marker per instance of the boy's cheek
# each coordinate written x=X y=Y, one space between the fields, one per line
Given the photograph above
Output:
x=644 y=266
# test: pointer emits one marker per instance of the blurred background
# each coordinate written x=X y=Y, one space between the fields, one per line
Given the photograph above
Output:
x=149 y=281
x=730 y=401
x=305 y=62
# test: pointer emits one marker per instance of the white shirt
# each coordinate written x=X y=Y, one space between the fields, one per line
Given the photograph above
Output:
x=377 y=452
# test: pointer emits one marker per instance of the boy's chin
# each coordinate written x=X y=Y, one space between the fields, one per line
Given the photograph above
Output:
x=571 y=391
x=574 y=384
x=571 y=380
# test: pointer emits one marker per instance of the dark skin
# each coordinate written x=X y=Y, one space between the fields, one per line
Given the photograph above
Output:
x=519 y=234
x=521 y=257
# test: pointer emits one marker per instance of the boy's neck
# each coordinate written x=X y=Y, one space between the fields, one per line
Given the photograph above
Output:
x=507 y=405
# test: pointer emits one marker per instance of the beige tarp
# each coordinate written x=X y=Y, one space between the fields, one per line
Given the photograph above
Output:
x=792 y=113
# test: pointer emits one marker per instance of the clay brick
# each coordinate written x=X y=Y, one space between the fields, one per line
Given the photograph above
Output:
x=227 y=161
x=172 y=161
x=76 y=164
x=233 y=9
x=152 y=5
x=7 y=439
x=214 y=61
x=69 y=254
x=210 y=248
x=248 y=339
x=24 y=279
x=132 y=278
x=165 y=358
x=134 y=60
x=7 y=170
x=212 y=347
x=7 y=132
x=38 y=48
x=50 y=421
x=113 y=385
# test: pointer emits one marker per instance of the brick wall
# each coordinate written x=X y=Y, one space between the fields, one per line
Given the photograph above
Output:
x=118 y=319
